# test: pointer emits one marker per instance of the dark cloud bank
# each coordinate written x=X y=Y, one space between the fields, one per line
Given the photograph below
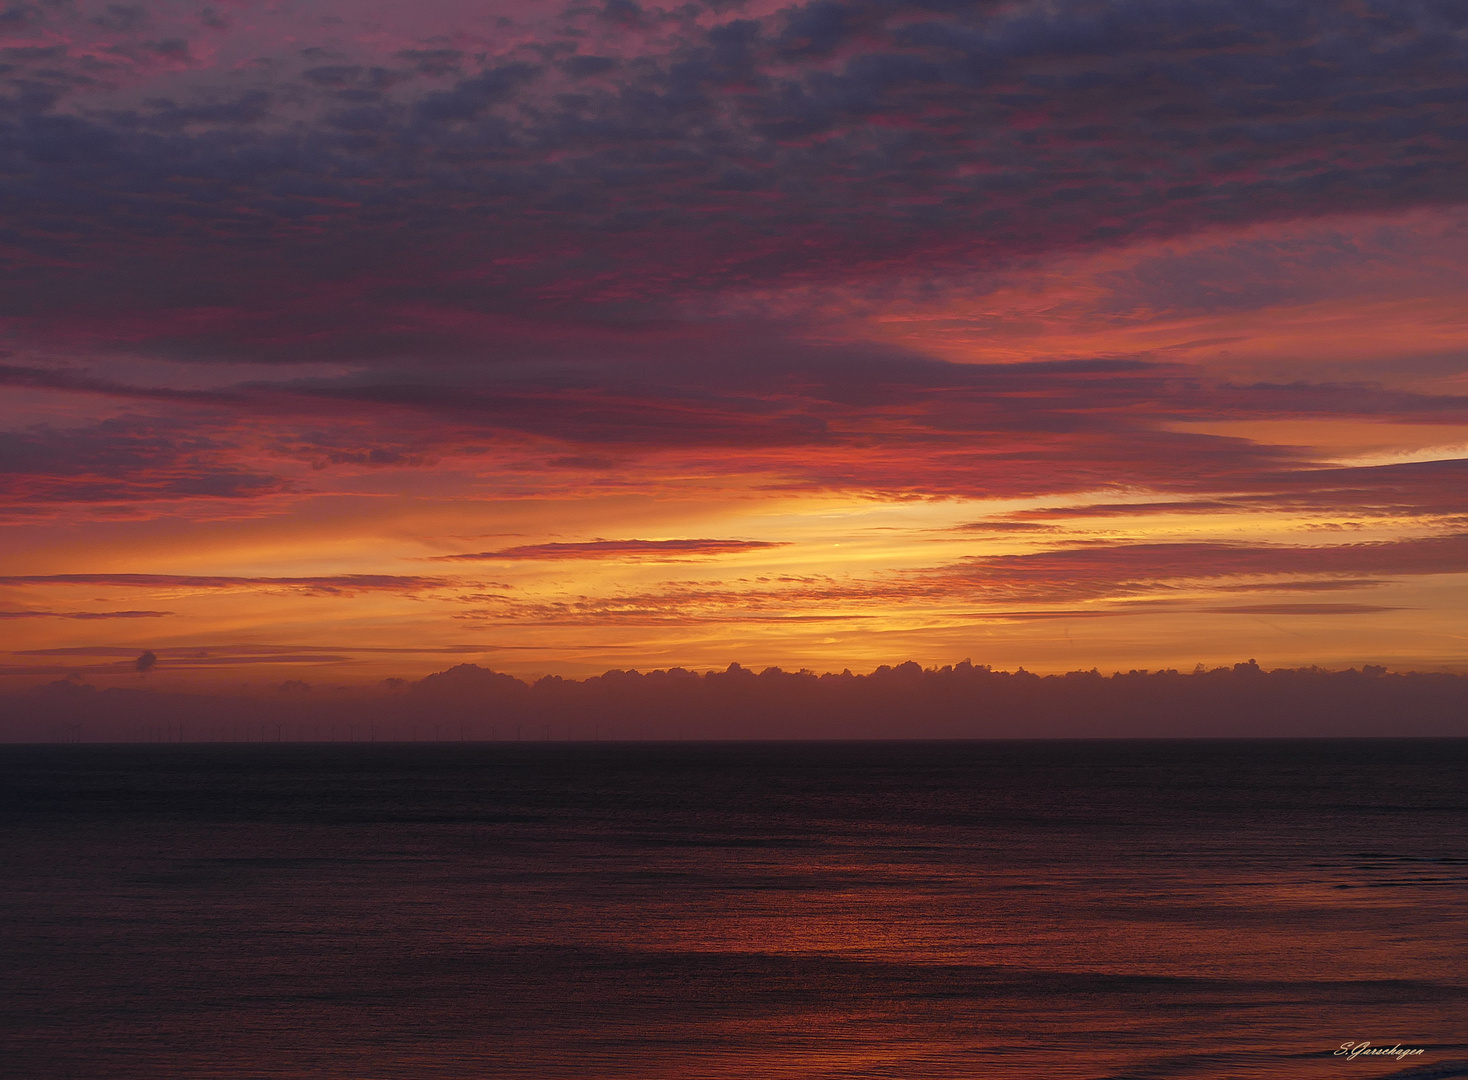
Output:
x=513 y=247
x=955 y=702
x=822 y=142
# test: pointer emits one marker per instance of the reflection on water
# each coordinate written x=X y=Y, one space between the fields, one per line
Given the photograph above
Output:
x=1061 y=910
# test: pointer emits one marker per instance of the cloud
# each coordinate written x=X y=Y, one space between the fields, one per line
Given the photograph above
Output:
x=1099 y=570
x=81 y=382
x=112 y=659
x=1409 y=489
x=958 y=701
x=186 y=663
x=641 y=550
x=1323 y=585
x=1122 y=575
x=327 y=585
x=682 y=154
x=206 y=651
x=84 y=614
x=1301 y=609
x=798 y=416
x=1108 y=510
x=626 y=250
x=131 y=458
x=1002 y=527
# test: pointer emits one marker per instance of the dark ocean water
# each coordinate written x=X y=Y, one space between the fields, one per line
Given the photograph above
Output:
x=1026 y=910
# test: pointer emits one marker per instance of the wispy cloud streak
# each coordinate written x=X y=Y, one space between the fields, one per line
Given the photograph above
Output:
x=339 y=584
x=656 y=550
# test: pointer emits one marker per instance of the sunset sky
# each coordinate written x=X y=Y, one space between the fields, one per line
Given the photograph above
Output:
x=353 y=339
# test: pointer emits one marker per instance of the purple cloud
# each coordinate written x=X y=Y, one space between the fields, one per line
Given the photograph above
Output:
x=693 y=152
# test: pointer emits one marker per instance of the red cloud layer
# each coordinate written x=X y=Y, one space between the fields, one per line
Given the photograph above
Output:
x=892 y=424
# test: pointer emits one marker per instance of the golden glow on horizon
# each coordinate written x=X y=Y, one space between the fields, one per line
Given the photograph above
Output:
x=846 y=590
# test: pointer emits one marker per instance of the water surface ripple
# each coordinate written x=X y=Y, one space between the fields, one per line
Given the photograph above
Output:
x=1086 y=910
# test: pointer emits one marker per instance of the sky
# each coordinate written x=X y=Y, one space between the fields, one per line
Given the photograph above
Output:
x=349 y=340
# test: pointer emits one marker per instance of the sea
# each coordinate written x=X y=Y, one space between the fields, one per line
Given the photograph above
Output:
x=1094 y=910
